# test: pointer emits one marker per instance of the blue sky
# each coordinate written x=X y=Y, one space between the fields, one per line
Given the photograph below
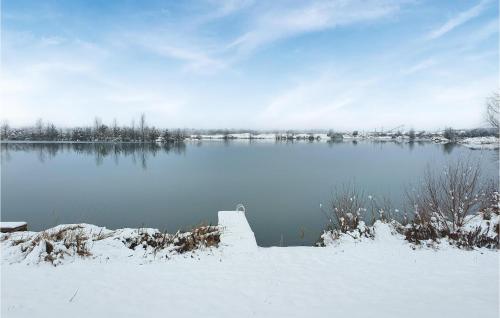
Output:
x=250 y=64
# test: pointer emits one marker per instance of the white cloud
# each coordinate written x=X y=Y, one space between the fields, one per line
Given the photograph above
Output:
x=458 y=20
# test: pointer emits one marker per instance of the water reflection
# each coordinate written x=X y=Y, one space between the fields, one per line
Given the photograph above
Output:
x=411 y=145
x=448 y=147
x=138 y=152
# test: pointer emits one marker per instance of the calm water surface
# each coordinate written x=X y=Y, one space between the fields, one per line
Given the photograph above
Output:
x=169 y=187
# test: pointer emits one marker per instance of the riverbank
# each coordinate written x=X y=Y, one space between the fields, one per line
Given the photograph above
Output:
x=481 y=143
x=472 y=142
x=380 y=276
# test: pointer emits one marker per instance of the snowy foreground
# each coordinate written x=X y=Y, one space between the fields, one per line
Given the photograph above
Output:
x=380 y=277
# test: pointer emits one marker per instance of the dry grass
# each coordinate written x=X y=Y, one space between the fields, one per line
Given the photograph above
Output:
x=56 y=244
x=181 y=242
x=51 y=243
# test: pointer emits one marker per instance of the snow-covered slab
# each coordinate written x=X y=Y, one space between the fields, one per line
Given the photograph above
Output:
x=13 y=226
x=236 y=232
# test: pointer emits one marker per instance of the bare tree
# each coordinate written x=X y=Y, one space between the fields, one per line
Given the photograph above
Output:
x=493 y=109
x=132 y=128
x=450 y=134
x=5 y=129
x=115 y=128
x=39 y=127
x=411 y=134
x=142 y=125
x=97 y=125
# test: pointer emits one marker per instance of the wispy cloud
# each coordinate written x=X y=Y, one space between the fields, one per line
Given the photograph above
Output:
x=223 y=8
x=263 y=23
x=459 y=19
x=425 y=64
x=279 y=20
x=342 y=101
x=196 y=60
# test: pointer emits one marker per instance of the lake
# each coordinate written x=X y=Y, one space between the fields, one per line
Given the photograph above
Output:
x=177 y=186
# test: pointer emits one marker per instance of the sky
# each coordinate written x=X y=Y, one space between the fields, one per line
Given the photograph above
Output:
x=251 y=64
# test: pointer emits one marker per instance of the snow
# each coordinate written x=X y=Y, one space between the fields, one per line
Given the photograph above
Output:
x=380 y=277
x=481 y=142
x=11 y=225
x=236 y=231
x=265 y=136
x=472 y=143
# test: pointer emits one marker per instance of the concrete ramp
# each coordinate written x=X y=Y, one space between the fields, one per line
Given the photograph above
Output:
x=236 y=232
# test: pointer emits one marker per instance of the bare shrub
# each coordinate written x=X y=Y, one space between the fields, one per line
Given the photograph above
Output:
x=382 y=209
x=347 y=207
x=446 y=202
x=449 y=196
x=349 y=211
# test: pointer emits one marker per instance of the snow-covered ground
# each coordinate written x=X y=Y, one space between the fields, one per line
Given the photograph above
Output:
x=380 y=277
x=235 y=136
x=481 y=142
x=472 y=143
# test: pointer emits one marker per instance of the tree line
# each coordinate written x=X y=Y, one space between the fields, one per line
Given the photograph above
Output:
x=46 y=131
